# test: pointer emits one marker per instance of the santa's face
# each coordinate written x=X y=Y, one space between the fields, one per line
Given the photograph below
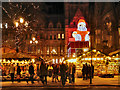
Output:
x=82 y=26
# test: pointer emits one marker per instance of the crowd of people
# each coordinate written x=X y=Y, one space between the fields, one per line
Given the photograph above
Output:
x=87 y=71
x=42 y=71
x=65 y=71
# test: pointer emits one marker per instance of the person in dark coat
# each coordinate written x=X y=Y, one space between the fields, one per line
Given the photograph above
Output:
x=18 y=72
x=89 y=71
x=73 y=73
x=63 y=70
x=83 y=72
x=86 y=71
x=43 y=72
x=31 y=72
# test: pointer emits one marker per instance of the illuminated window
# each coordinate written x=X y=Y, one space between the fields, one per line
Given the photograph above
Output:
x=54 y=37
x=50 y=37
x=58 y=36
x=62 y=36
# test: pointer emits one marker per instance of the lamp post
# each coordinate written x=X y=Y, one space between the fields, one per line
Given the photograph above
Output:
x=19 y=24
x=91 y=34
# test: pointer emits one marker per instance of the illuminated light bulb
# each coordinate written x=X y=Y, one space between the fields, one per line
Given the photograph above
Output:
x=4 y=60
x=6 y=25
x=21 y=20
x=85 y=49
x=36 y=42
x=56 y=60
x=53 y=61
x=94 y=50
x=16 y=24
x=30 y=41
x=33 y=60
x=26 y=24
x=8 y=61
x=33 y=38
x=83 y=54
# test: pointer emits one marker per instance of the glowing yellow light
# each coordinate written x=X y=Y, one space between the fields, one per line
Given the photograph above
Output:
x=113 y=56
x=16 y=24
x=83 y=54
x=26 y=24
x=21 y=20
x=86 y=58
x=101 y=58
x=30 y=41
x=94 y=58
x=0 y=60
x=33 y=38
x=98 y=58
x=8 y=61
x=53 y=61
x=94 y=50
x=98 y=52
x=4 y=60
x=56 y=60
x=89 y=58
x=63 y=58
x=85 y=49
x=12 y=60
x=36 y=42
x=73 y=54
x=64 y=62
x=33 y=60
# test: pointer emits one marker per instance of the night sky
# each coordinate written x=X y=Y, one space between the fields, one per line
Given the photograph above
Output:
x=55 y=7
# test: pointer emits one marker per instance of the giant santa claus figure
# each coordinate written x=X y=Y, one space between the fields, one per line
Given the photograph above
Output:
x=82 y=34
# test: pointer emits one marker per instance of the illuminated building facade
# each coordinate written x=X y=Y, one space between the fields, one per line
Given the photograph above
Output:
x=56 y=32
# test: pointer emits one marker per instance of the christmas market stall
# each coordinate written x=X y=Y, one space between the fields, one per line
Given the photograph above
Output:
x=22 y=59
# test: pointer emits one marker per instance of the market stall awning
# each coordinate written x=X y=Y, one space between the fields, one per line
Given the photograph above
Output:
x=94 y=53
x=114 y=52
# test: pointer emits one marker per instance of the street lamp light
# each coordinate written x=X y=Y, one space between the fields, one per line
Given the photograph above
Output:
x=16 y=24
x=19 y=23
x=21 y=20
x=33 y=41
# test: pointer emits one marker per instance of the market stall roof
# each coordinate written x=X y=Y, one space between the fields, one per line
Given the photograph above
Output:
x=114 y=52
x=94 y=54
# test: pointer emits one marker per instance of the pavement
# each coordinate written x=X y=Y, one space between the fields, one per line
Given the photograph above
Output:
x=96 y=81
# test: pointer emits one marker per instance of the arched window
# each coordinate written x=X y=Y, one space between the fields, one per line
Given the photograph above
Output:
x=50 y=25
x=59 y=25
